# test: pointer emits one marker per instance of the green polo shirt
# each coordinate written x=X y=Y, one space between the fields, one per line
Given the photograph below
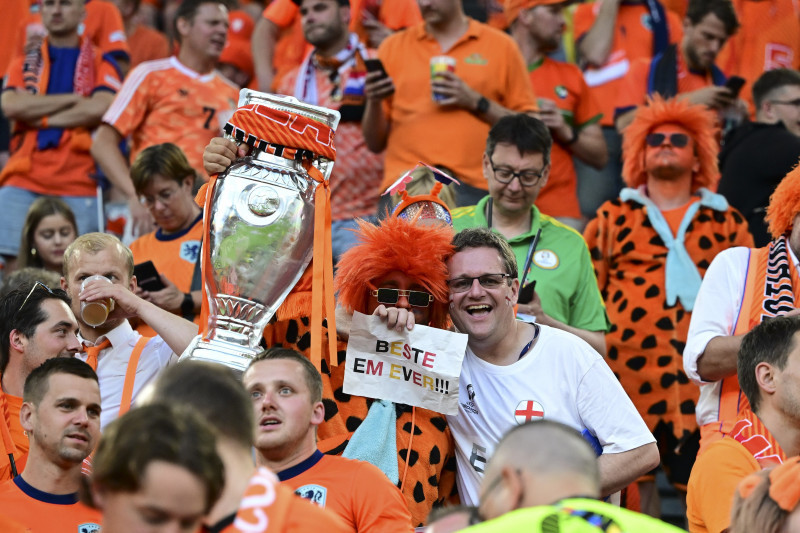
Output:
x=562 y=267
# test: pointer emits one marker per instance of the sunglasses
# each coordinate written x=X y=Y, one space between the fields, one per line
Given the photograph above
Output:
x=391 y=296
x=35 y=286
x=487 y=281
x=678 y=140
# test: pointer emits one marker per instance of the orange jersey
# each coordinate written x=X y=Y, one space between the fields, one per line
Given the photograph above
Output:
x=9 y=416
x=633 y=90
x=357 y=491
x=632 y=40
x=564 y=84
x=768 y=38
x=177 y=256
x=11 y=30
x=66 y=168
x=102 y=24
x=269 y=506
x=147 y=44
x=487 y=60
x=41 y=512
x=165 y=101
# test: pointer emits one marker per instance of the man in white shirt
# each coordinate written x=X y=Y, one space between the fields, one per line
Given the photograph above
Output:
x=741 y=288
x=113 y=347
x=519 y=372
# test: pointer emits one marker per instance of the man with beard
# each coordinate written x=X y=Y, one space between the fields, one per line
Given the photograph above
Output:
x=332 y=75
x=650 y=249
x=565 y=104
x=61 y=414
x=687 y=69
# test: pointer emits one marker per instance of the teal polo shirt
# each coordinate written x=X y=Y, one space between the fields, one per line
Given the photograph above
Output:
x=562 y=267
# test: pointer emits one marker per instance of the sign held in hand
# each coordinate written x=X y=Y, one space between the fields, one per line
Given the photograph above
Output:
x=420 y=367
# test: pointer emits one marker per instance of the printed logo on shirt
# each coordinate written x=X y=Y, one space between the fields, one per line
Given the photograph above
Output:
x=561 y=91
x=88 y=527
x=190 y=250
x=476 y=59
x=470 y=406
x=546 y=259
x=528 y=410
x=117 y=36
x=647 y=22
x=313 y=493
x=183 y=92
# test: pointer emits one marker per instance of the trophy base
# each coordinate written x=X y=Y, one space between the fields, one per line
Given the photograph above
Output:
x=234 y=356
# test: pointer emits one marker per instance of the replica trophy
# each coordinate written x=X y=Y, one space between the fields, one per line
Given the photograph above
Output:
x=259 y=223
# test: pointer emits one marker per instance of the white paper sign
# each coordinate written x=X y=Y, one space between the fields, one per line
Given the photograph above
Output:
x=420 y=367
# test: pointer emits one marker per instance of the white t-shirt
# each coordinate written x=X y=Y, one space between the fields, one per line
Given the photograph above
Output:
x=716 y=311
x=112 y=364
x=561 y=378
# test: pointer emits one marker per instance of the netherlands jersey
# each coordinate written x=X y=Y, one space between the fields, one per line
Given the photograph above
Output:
x=42 y=512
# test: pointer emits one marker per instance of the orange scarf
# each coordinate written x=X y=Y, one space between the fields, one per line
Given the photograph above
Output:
x=751 y=433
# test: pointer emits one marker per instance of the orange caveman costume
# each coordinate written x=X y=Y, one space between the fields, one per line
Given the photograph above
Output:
x=649 y=264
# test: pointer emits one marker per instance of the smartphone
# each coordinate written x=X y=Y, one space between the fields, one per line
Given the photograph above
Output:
x=147 y=277
x=375 y=65
x=734 y=85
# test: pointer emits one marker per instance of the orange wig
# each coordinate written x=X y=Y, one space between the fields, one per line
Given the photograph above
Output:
x=418 y=251
x=700 y=124
x=784 y=204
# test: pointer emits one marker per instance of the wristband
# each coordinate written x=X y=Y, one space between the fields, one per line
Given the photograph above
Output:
x=43 y=122
x=187 y=306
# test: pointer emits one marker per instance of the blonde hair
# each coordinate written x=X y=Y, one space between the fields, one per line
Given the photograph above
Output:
x=94 y=243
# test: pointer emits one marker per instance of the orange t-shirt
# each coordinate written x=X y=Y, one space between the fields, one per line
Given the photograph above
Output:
x=147 y=44
x=712 y=485
x=10 y=30
x=564 y=84
x=102 y=24
x=769 y=38
x=9 y=411
x=66 y=168
x=41 y=512
x=292 y=46
x=633 y=89
x=269 y=506
x=357 y=491
x=632 y=40
x=175 y=256
x=421 y=130
x=165 y=101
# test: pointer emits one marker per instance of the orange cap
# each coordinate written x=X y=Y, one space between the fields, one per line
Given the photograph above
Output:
x=513 y=7
x=238 y=54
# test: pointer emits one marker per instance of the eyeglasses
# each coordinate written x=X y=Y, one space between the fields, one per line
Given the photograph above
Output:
x=678 y=140
x=487 y=281
x=391 y=296
x=795 y=102
x=35 y=285
x=527 y=178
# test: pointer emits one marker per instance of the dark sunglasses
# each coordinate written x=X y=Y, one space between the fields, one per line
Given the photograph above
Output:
x=391 y=296
x=678 y=140
x=35 y=286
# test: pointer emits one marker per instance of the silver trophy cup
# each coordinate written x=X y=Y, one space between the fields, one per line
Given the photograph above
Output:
x=260 y=240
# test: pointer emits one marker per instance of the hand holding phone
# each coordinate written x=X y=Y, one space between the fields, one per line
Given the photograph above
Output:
x=147 y=277
x=734 y=85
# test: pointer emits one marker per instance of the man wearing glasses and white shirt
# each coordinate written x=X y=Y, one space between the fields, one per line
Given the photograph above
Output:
x=519 y=371
x=516 y=165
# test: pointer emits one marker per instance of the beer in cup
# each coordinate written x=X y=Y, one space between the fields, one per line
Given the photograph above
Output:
x=95 y=313
x=441 y=64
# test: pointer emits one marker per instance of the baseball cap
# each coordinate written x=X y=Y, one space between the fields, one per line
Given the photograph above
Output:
x=513 y=7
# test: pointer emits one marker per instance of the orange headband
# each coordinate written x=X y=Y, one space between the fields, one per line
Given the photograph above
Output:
x=784 y=488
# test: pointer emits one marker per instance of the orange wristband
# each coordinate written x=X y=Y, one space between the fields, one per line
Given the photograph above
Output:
x=43 y=122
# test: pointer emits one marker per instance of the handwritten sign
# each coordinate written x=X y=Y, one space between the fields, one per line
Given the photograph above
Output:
x=420 y=367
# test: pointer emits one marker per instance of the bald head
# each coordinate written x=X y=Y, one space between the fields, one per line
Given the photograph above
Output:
x=538 y=463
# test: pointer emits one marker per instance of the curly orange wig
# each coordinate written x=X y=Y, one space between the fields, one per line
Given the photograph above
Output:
x=418 y=251
x=698 y=121
x=784 y=204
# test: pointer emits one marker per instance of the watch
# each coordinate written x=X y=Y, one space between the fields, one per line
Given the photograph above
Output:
x=187 y=306
x=483 y=105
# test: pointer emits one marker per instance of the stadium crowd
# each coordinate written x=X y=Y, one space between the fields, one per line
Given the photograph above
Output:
x=600 y=197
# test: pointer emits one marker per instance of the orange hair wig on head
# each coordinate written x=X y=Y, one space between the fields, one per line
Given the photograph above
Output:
x=698 y=121
x=784 y=204
x=418 y=251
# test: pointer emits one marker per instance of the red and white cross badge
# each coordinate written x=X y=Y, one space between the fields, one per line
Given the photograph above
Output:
x=528 y=410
